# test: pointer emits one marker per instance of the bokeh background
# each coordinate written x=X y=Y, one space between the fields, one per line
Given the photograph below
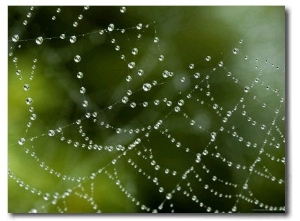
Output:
x=187 y=34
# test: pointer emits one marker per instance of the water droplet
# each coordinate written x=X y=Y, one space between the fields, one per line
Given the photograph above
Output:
x=215 y=106
x=101 y=32
x=246 y=89
x=125 y=100
x=208 y=209
x=169 y=196
x=46 y=196
x=156 y=39
x=165 y=74
x=86 y=7
x=182 y=79
x=263 y=127
x=58 y=10
x=117 y=47
x=181 y=102
x=233 y=209
x=26 y=87
x=53 y=17
x=133 y=105
x=33 y=211
x=131 y=65
x=39 y=40
x=147 y=87
x=191 y=66
x=85 y=103
x=169 y=103
x=77 y=58
x=62 y=36
x=140 y=72
x=21 y=141
x=73 y=39
x=245 y=186
x=128 y=78
x=221 y=64
x=111 y=27
x=25 y=22
x=29 y=101
x=229 y=113
x=235 y=51
x=51 y=133
x=208 y=58
x=134 y=51
x=80 y=17
x=177 y=109
x=213 y=136
x=139 y=26
x=145 y=104
x=82 y=90
x=161 y=57
x=123 y=9
x=79 y=75
x=15 y=38
x=75 y=24
x=197 y=75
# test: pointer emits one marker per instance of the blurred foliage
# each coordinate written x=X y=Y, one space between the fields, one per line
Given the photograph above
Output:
x=187 y=35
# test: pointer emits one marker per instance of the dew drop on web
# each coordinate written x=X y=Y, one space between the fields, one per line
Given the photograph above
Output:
x=26 y=87
x=21 y=141
x=111 y=27
x=246 y=89
x=161 y=58
x=85 y=103
x=79 y=75
x=169 y=196
x=134 y=51
x=82 y=90
x=29 y=101
x=235 y=51
x=51 y=133
x=15 y=38
x=73 y=39
x=139 y=26
x=39 y=40
x=131 y=65
x=140 y=72
x=77 y=58
x=123 y=9
x=147 y=87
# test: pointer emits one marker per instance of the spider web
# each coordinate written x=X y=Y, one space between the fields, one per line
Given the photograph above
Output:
x=113 y=113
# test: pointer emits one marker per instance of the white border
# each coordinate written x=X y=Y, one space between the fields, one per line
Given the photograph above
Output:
x=293 y=111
